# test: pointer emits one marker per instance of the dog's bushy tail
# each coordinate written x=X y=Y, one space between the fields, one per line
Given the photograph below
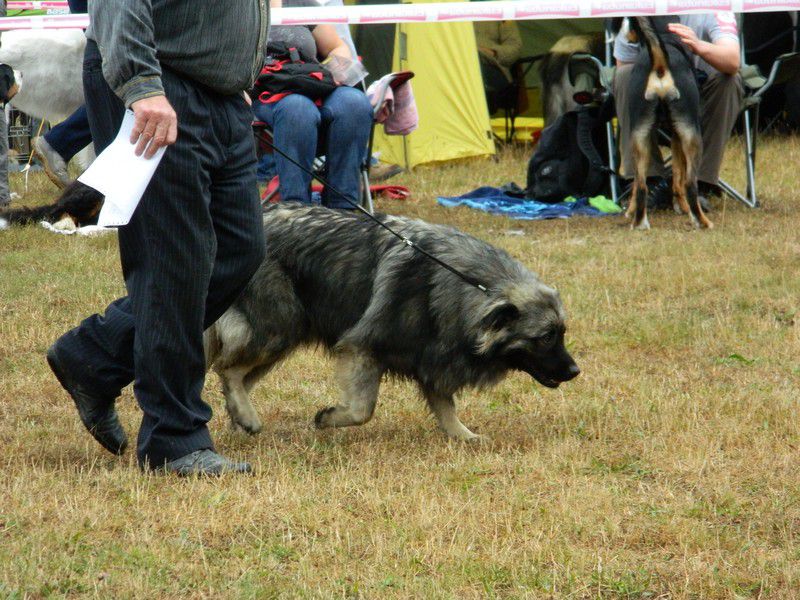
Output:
x=78 y=201
x=26 y=216
x=660 y=83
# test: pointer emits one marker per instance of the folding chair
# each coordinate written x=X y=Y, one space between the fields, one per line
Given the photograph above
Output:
x=265 y=144
x=519 y=93
x=785 y=68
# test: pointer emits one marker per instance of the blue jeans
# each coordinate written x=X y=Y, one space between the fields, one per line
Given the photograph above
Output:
x=71 y=135
x=339 y=129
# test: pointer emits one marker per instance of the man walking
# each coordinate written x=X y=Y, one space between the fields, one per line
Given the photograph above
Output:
x=196 y=237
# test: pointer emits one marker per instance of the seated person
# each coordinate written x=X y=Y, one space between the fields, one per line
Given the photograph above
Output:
x=499 y=46
x=713 y=40
x=339 y=128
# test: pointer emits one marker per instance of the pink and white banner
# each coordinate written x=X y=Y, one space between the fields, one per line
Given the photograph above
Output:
x=503 y=10
x=38 y=5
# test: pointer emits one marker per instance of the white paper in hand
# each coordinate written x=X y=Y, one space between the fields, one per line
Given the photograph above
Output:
x=121 y=176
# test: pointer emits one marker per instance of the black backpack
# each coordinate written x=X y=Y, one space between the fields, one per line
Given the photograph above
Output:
x=571 y=157
x=285 y=72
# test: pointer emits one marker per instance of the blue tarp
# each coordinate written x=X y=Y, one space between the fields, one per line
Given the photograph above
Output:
x=495 y=201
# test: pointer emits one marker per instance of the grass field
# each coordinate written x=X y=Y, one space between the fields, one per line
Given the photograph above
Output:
x=668 y=469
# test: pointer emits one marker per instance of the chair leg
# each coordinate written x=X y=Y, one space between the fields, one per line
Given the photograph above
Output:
x=749 y=199
x=733 y=193
x=267 y=198
x=512 y=130
x=750 y=155
x=612 y=163
x=366 y=194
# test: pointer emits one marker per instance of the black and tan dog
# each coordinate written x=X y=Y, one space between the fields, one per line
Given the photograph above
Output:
x=78 y=203
x=664 y=93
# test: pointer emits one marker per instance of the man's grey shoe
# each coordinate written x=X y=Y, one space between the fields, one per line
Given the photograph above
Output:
x=203 y=462
x=53 y=164
x=98 y=415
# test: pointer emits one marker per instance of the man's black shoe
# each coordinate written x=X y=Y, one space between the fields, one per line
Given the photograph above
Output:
x=203 y=462
x=98 y=415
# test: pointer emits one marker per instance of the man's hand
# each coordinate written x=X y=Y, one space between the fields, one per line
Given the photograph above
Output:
x=155 y=122
x=687 y=36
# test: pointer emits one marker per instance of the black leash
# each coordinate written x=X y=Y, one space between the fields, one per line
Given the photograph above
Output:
x=408 y=242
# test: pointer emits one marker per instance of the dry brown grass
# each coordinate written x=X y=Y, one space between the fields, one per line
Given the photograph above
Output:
x=668 y=469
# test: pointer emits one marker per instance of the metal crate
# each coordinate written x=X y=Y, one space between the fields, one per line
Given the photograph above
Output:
x=21 y=131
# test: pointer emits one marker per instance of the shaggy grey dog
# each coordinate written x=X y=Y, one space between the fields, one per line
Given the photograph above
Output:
x=339 y=280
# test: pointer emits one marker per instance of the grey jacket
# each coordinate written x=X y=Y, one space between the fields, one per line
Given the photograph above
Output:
x=217 y=43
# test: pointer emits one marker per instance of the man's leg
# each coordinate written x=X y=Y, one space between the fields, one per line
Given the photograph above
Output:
x=495 y=84
x=99 y=352
x=57 y=147
x=294 y=121
x=235 y=210
x=167 y=252
x=720 y=105
x=621 y=91
x=71 y=135
x=202 y=208
x=347 y=121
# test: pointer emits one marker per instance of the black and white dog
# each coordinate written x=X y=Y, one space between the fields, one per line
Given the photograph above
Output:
x=9 y=83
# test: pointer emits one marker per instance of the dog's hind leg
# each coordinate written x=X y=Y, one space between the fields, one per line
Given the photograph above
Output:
x=641 y=156
x=444 y=409
x=679 y=203
x=691 y=142
x=359 y=380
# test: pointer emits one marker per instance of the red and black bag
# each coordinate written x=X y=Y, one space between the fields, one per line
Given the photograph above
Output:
x=285 y=72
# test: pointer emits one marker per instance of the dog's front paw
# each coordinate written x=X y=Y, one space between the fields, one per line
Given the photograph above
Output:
x=321 y=420
x=467 y=436
x=251 y=425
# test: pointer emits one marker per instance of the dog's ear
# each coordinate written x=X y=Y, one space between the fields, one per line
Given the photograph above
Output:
x=492 y=325
x=499 y=316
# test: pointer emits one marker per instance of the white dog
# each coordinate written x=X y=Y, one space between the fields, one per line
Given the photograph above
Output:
x=50 y=63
